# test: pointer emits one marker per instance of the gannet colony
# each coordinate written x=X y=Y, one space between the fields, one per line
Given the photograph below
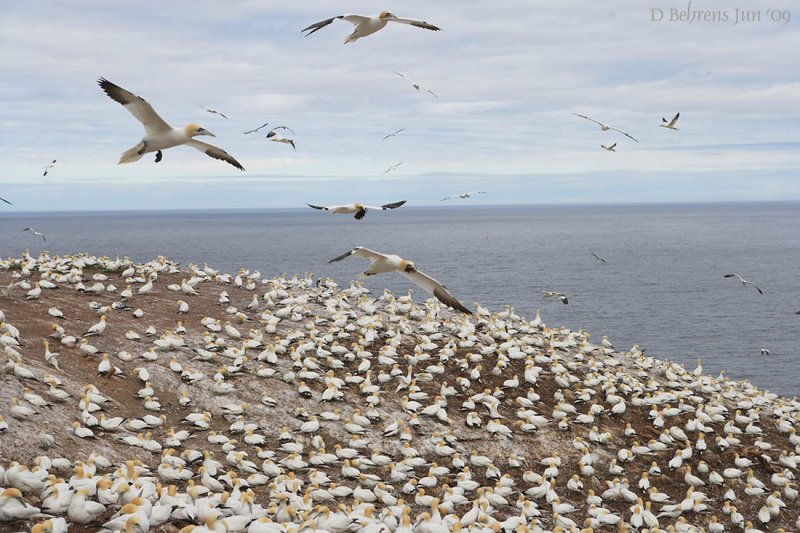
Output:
x=152 y=397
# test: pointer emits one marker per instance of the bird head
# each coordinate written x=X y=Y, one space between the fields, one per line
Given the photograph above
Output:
x=408 y=266
x=194 y=130
x=386 y=15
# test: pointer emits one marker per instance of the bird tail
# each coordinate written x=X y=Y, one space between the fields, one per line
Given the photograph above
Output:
x=129 y=156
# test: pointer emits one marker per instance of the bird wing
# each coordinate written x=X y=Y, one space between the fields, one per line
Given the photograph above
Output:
x=444 y=199
x=6 y=201
x=625 y=134
x=215 y=152
x=352 y=19
x=281 y=128
x=321 y=208
x=433 y=93
x=437 y=289
x=613 y=145
x=417 y=23
x=393 y=205
x=754 y=285
x=360 y=251
x=674 y=119
x=588 y=118
x=258 y=128
x=734 y=274
x=137 y=106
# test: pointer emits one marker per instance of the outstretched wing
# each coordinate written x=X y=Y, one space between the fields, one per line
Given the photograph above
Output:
x=444 y=199
x=215 y=152
x=352 y=19
x=136 y=105
x=733 y=275
x=359 y=251
x=437 y=289
x=394 y=205
x=6 y=201
x=320 y=207
x=625 y=134
x=588 y=118
x=417 y=23
x=674 y=119
x=258 y=128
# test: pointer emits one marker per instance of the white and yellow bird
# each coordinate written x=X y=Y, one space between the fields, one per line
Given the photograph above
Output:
x=368 y=25
x=360 y=210
x=158 y=134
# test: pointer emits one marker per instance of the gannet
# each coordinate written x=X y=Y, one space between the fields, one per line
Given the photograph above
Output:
x=463 y=195
x=360 y=210
x=764 y=351
x=158 y=134
x=48 y=167
x=744 y=281
x=553 y=294
x=606 y=127
x=671 y=124
x=598 y=257
x=214 y=112
x=393 y=167
x=395 y=132
x=278 y=138
x=264 y=125
x=37 y=233
x=609 y=148
x=6 y=201
x=416 y=85
x=368 y=25
x=380 y=263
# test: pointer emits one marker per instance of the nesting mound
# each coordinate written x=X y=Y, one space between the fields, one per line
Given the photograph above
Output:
x=324 y=408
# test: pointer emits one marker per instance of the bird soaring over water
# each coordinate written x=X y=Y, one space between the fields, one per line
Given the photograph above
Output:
x=609 y=148
x=463 y=195
x=416 y=85
x=395 y=132
x=274 y=136
x=744 y=281
x=606 y=127
x=368 y=25
x=563 y=298
x=380 y=263
x=158 y=134
x=360 y=210
x=48 y=167
x=37 y=233
x=264 y=125
x=671 y=124
x=393 y=167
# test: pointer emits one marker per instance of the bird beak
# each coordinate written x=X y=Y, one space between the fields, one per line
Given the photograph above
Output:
x=203 y=131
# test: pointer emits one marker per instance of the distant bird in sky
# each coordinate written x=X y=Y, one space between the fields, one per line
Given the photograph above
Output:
x=416 y=85
x=214 y=111
x=38 y=233
x=609 y=148
x=463 y=195
x=380 y=263
x=368 y=25
x=6 y=201
x=359 y=209
x=606 y=127
x=393 y=167
x=671 y=124
x=393 y=133
x=557 y=295
x=158 y=134
x=48 y=167
x=264 y=125
x=764 y=351
x=274 y=136
x=598 y=258
x=744 y=281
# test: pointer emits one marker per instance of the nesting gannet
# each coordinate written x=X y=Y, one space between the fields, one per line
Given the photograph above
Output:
x=214 y=112
x=416 y=85
x=37 y=233
x=368 y=25
x=609 y=148
x=393 y=167
x=606 y=127
x=395 y=132
x=598 y=258
x=158 y=134
x=380 y=263
x=671 y=124
x=463 y=195
x=48 y=167
x=744 y=281
x=557 y=295
x=264 y=125
x=278 y=138
x=360 y=210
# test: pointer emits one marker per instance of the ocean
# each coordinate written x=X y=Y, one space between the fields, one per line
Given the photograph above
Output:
x=662 y=286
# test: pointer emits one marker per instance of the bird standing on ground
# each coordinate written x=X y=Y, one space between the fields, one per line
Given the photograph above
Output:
x=158 y=134
x=368 y=25
x=360 y=210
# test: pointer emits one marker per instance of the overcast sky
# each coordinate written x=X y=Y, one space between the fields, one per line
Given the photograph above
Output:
x=508 y=74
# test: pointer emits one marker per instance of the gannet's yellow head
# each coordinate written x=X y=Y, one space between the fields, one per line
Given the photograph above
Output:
x=194 y=130
x=386 y=15
x=407 y=266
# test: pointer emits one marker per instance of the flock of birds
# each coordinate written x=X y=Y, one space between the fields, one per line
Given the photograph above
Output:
x=293 y=404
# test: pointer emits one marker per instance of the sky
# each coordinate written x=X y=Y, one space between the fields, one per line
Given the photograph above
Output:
x=508 y=75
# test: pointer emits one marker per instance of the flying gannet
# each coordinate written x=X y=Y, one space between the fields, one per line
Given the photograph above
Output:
x=278 y=138
x=368 y=25
x=744 y=281
x=557 y=295
x=393 y=167
x=671 y=124
x=463 y=195
x=214 y=112
x=158 y=134
x=264 y=125
x=359 y=209
x=48 y=167
x=598 y=258
x=6 y=201
x=606 y=127
x=416 y=85
x=609 y=148
x=380 y=264
x=393 y=133
x=764 y=351
x=38 y=233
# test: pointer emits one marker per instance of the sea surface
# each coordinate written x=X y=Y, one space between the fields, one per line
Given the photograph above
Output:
x=662 y=286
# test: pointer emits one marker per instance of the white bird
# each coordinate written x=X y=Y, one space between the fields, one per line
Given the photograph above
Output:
x=380 y=263
x=368 y=25
x=158 y=134
x=416 y=85
x=463 y=195
x=214 y=112
x=671 y=124
x=764 y=351
x=393 y=134
x=48 y=167
x=264 y=125
x=606 y=127
x=360 y=210
x=609 y=148
x=744 y=281
x=393 y=167
x=553 y=294
x=278 y=138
